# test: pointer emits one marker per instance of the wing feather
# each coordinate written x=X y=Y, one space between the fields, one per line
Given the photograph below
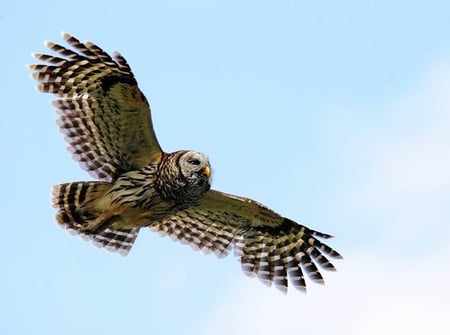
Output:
x=104 y=116
x=272 y=247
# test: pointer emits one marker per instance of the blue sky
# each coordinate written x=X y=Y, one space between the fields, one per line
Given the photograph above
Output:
x=334 y=114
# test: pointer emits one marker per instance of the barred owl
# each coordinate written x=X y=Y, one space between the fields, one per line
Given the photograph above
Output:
x=106 y=120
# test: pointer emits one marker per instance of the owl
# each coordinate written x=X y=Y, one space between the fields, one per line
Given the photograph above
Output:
x=106 y=120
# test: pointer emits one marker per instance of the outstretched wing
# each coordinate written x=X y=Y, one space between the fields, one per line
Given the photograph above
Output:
x=102 y=113
x=268 y=245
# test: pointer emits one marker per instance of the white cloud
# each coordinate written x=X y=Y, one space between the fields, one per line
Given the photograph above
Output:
x=369 y=295
x=418 y=167
x=412 y=158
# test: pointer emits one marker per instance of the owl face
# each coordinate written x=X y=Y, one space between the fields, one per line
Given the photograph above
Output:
x=195 y=168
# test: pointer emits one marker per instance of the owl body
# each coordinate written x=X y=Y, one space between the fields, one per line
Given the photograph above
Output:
x=106 y=120
x=137 y=197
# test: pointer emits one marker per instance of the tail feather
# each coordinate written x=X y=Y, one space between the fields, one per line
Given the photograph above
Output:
x=75 y=203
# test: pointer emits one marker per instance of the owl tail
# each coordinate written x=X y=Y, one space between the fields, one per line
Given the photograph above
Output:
x=76 y=202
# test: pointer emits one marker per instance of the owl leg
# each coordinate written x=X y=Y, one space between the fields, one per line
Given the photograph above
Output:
x=98 y=225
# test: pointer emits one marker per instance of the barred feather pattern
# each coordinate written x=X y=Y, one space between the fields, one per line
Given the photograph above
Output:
x=72 y=201
x=98 y=104
x=273 y=255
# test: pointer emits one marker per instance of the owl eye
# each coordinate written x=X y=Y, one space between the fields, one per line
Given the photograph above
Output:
x=194 y=161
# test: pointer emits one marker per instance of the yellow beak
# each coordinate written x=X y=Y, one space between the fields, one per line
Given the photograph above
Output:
x=206 y=171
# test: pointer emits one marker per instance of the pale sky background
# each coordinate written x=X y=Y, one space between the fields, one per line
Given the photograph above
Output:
x=333 y=113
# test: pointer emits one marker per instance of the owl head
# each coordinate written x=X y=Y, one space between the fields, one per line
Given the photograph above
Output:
x=195 y=171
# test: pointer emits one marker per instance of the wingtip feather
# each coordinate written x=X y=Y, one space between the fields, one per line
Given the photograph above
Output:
x=49 y=44
x=65 y=35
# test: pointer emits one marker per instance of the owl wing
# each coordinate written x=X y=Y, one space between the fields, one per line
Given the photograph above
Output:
x=104 y=116
x=272 y=247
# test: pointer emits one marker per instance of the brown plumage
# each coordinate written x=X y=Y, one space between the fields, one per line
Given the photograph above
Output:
x=107 y=122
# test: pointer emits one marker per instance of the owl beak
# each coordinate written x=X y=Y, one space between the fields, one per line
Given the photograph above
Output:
x=206 y=171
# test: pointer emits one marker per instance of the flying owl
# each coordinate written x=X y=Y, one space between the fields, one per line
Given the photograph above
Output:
x=106 y=120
